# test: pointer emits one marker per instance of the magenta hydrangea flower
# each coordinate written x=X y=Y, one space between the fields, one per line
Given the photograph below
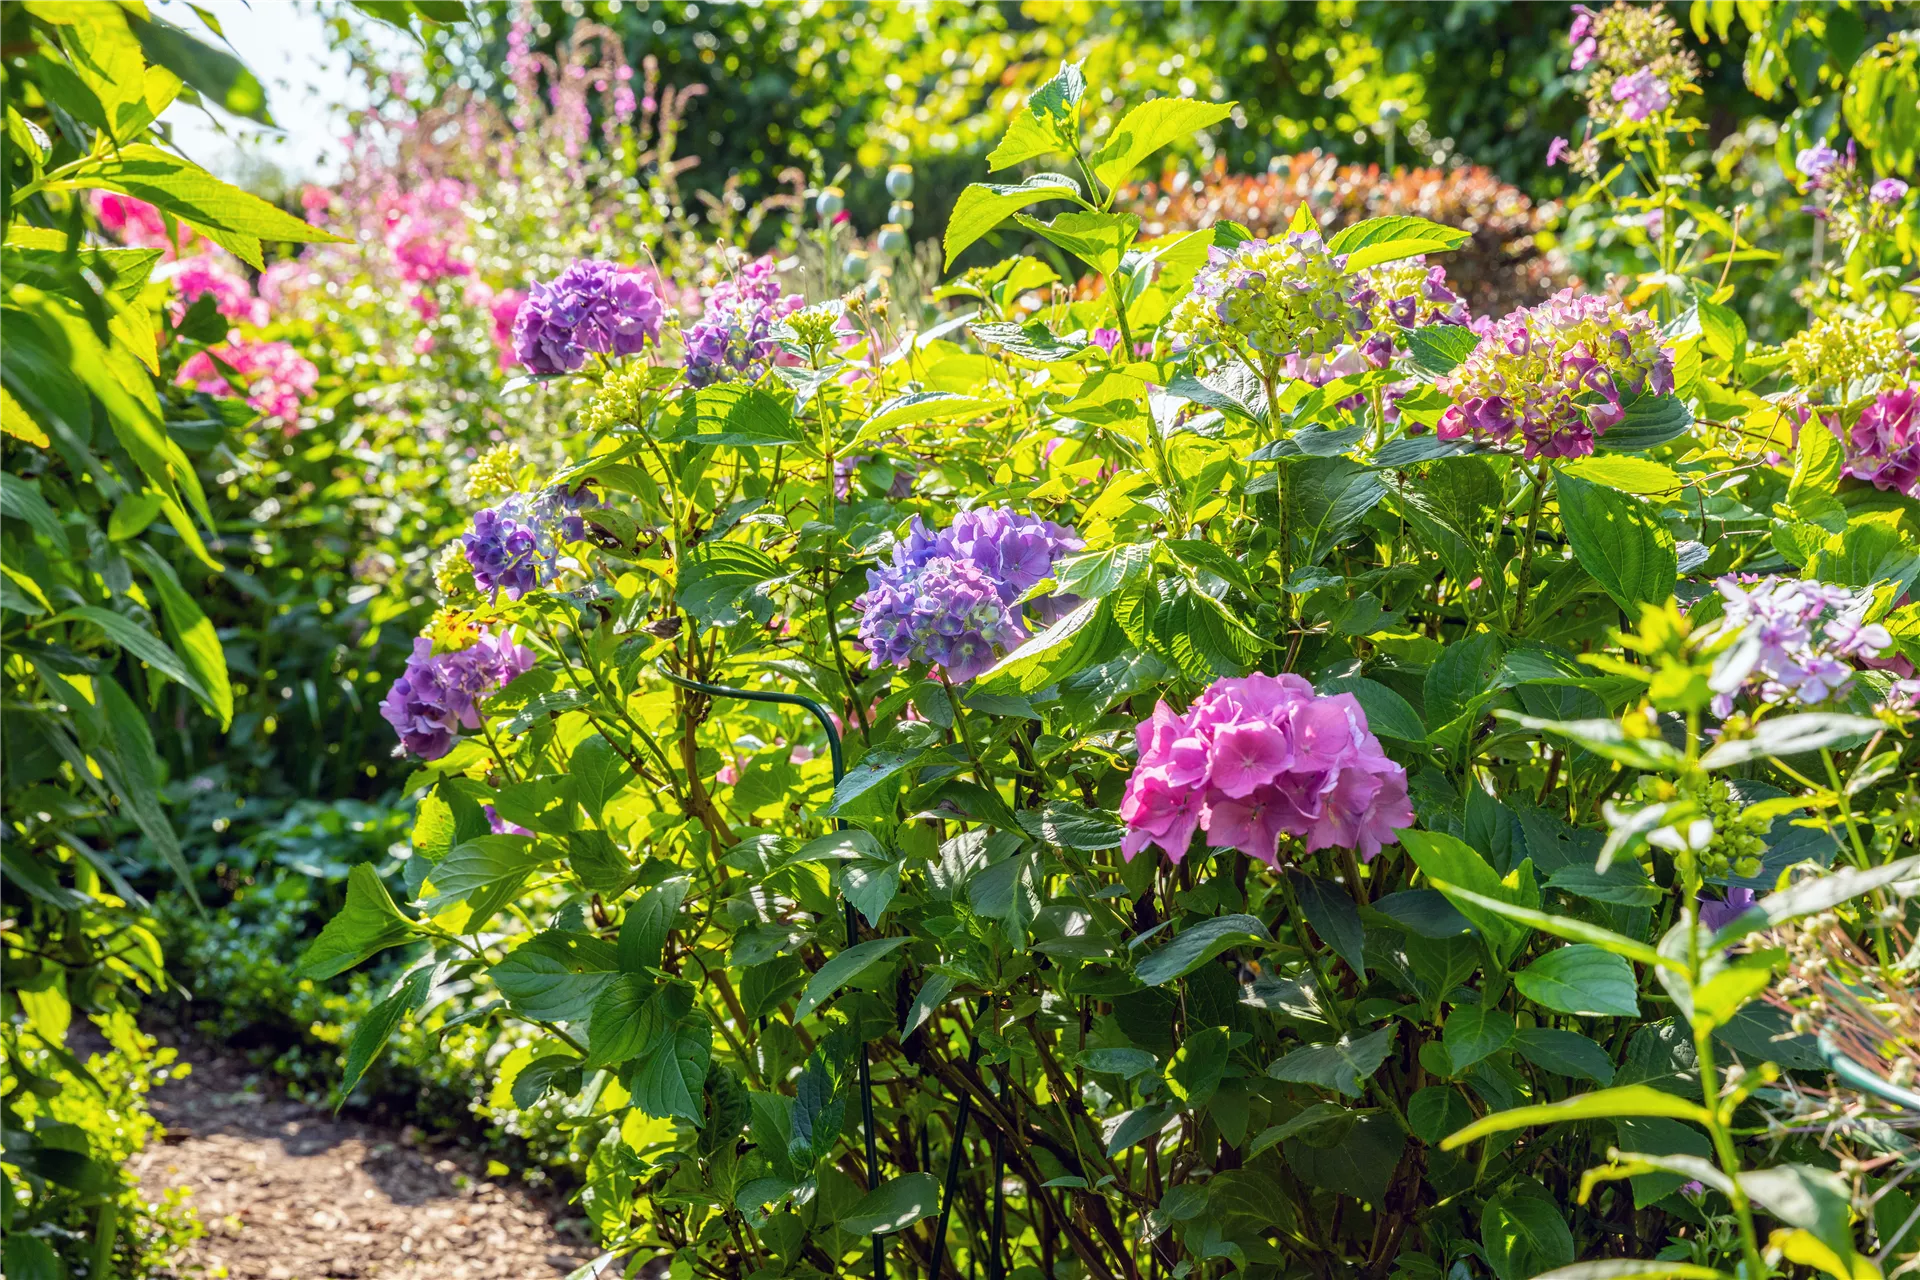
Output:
x=203 y=274
x=1559 y=375
x=734 y=335
x=1796 y=641
x=1888 y=191
x=1260 y=757
x=1580 y=35
x=953 y=600
x=1884 y=445
x=594 y=307
x=277 y=379
x=440 y=694
x=1642 y=94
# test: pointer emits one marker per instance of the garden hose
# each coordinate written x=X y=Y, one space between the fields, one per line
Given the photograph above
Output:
x=825 y=718
x=1856 y=1076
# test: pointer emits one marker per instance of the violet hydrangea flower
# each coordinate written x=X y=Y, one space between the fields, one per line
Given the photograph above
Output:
x=953 y=599
x=1795 y=640
x=1257 y=758
x=594 y=307
x=514 y=546
x=1884 y=445
x=1716 y=914
x=1558 y=375
x=1887 y=191
x=734 y=335
x=440 y=694
x=1816 y=162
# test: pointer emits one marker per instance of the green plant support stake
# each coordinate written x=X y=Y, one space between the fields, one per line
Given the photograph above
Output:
x=853 y=920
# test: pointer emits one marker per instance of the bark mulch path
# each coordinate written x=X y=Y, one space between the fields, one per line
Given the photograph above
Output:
x=289 y=1192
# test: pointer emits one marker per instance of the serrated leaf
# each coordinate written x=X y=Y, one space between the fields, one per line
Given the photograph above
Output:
x=983 y=206
x=1150 y=126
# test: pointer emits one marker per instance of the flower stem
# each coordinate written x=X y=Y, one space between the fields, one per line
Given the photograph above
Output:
x=1526 y=547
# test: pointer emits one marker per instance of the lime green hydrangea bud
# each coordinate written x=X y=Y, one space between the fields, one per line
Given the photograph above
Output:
x=493 y=474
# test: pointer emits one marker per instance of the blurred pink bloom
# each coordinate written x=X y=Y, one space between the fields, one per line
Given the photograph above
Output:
x=277 y=377
x=137 y=223
x=203 y=274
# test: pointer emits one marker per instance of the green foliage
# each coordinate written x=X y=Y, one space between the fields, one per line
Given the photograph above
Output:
x=759 y=980
x=106 y=645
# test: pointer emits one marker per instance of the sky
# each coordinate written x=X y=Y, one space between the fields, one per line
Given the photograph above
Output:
x=309 y=89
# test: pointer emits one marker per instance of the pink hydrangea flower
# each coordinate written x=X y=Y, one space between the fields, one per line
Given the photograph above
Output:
x=1260 y=757
x=278 y=378
x=137 y=224
x=202 y=274
x=1884 y=445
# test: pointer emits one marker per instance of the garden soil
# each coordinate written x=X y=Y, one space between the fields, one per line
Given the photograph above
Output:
x=289 y=1192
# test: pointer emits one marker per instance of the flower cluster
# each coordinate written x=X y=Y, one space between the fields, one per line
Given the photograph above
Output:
x=1640 y=64
x=139 y=225
x=1261 y=757
x=515 y=546
x=1273 y=299
x=277 y=378
x=1793 y=640
x=1559 y=374
x=440 y=694
x=953 y=598
x=1844 y=193
x=594 y=307
x=734 y=334
x=424 y=227
x=1839 y=350
x=203 y=274
x=1884 y=444
x=1408 y=294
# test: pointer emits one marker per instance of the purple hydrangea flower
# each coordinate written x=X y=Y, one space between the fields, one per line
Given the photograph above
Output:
x=734 y=335
x=1557 y=150
x=593 y=307
x=952 y=599
x=1559 y=374
x=515 y=546
x=1716 y=914
x=503 y=550
x=1794 y=641
x=1888 y=191
x=440 y=694
x=1816 y=162
x=1642 y=94
x=1884 y=445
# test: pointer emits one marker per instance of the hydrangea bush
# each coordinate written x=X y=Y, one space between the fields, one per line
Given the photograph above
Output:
x=1250 y=768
